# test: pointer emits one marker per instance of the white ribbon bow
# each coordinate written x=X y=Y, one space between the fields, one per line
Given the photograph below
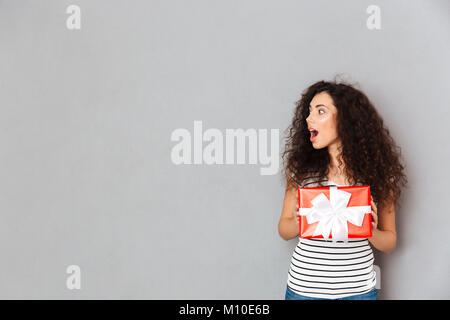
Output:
x=333 y=214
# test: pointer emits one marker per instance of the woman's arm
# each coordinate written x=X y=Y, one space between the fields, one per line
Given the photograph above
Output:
x=384 y=236
x=288 y=226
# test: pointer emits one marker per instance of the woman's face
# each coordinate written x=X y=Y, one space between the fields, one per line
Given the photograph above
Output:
x=323 y=118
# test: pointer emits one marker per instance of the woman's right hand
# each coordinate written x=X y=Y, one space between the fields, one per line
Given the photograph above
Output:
x=297 y=211
x=288 y=225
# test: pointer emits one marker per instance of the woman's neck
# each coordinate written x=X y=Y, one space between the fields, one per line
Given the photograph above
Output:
x=338 y=176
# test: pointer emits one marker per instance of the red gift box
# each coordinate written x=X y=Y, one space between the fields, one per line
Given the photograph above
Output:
x=344 y=210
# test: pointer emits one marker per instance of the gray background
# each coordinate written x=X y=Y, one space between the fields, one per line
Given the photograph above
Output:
x=86 y=118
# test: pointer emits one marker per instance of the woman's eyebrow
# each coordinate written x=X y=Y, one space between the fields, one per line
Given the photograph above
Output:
x=318 y=105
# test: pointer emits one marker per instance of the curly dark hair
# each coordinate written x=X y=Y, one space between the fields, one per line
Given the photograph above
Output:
x=370 y=154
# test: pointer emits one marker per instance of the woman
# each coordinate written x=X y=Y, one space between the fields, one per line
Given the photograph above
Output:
x=338 y=138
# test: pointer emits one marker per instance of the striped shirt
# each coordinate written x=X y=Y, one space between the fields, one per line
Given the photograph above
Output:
x=323 y=269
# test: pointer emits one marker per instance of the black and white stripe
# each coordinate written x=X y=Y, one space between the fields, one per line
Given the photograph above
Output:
x=323 y=269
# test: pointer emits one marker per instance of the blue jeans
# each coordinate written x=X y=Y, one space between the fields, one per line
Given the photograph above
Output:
x=371 y=295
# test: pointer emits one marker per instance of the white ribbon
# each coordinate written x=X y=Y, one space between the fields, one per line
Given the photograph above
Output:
x=333 y=214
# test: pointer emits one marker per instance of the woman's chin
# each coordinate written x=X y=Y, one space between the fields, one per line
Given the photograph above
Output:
x=317 y=146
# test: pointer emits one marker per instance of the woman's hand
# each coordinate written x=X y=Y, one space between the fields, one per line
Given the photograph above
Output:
x=297 y=211
x=374 y=216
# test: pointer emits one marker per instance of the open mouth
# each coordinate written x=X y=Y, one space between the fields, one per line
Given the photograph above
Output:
x=314 y=134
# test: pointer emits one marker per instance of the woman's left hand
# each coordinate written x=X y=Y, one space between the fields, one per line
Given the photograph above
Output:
x=374 y=216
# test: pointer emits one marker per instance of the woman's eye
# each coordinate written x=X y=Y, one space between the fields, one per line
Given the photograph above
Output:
x=309 y=111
